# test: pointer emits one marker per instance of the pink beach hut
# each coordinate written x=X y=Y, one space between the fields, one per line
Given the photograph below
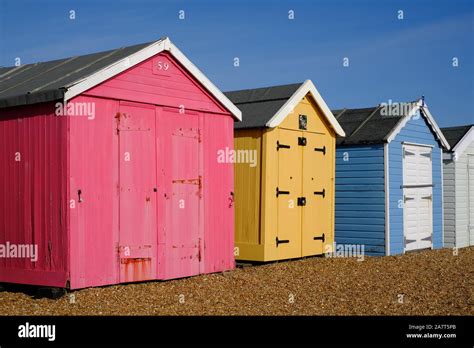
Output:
x=109 y=170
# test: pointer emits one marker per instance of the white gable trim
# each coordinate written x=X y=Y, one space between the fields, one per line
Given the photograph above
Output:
x=164 y=44
x=291 y=103
x=465 y=141
x=429 y=118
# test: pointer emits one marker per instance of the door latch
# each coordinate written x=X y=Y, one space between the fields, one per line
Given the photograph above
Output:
x=301 y=141
x=301 y=201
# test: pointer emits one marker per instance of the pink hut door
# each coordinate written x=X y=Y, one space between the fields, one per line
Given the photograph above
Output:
x=179 y=162
x=137 y=181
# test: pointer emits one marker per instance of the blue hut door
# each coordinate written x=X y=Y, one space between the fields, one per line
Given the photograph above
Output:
x=417 y=197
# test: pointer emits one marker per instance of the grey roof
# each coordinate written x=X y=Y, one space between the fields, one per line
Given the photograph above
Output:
x=46 y=81
x=259 y=105
x=454 y=134
x=367 y=125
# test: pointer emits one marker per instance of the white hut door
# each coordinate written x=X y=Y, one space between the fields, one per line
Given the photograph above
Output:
x=470 y=185
x=417 y=197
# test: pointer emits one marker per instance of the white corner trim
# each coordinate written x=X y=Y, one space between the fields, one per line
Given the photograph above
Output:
x=164 y=44
x=442 y=199
x=288 y=107
x=387 y=199
x=429 y=118
x=465 y=141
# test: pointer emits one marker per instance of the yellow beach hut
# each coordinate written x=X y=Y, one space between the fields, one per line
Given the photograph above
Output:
x=284 y=201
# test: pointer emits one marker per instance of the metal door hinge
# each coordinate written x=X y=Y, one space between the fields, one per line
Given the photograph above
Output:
x=321 y=193
x=405 y=198
x=429 y=238
x=320 y=238
x=430 y=197
x=321 y=149
x=282 y=146
x=426 y=154
x=406 y=152
x=302 y=201
x=281 y=241
x=406 y=241
x=301 y=141
x=278 y=192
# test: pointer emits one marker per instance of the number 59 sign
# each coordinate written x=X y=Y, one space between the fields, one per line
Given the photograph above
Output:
x=161 y=66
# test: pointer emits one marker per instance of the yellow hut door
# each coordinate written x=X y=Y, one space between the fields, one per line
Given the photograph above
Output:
x=317 y=188
x=288 y=240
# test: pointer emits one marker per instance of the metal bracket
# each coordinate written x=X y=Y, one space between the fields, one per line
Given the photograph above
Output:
x=321 y=149
x=321 y=193
x=281 y=146
x=278 y=192
x=283 y=241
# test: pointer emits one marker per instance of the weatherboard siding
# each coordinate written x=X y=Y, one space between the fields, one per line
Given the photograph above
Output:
x=170 y=86
x=416 y=131
x=449 y=193
x=360 y=197
x=462 y=198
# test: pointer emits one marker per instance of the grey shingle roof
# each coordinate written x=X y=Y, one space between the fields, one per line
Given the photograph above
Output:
x=46 y=81
x=259 y=105
x=454 y=134
x=368 y=125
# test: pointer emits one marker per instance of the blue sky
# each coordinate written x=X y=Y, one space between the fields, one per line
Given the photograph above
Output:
x=389 y=59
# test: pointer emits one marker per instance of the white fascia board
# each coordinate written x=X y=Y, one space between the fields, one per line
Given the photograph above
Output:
x=465 y=141
x=433 y=124
x=291 y=103
x=82 y=85
x=429 y=118
x=216 y=92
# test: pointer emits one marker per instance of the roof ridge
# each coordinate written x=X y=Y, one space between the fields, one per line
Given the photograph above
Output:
x=261 y=100
x=266 y=87
x=340 y=114
x=462 y=126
